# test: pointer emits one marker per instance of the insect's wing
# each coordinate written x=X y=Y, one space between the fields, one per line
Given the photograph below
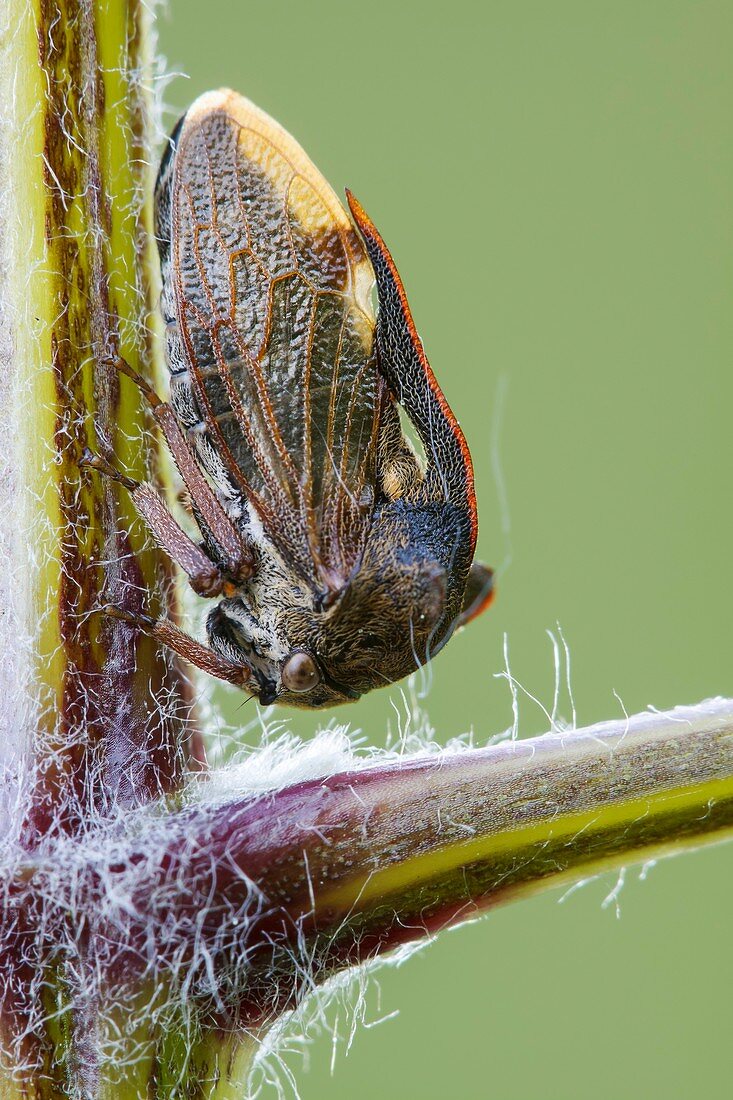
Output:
x=269 y=289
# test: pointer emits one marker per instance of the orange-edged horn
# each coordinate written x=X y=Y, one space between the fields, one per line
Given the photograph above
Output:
x=403 y=363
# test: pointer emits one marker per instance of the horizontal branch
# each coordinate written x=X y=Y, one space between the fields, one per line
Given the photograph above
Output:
x=216 y=917
x=368 y=859
x=402 y=847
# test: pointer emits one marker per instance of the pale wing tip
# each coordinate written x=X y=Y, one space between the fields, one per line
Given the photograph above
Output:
x=234 y=104
x=248 y=114
x=216 y=100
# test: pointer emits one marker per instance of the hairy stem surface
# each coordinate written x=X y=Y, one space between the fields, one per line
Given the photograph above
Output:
x=82 y=699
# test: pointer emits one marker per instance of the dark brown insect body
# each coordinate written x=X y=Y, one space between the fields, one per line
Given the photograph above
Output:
x=344 y=562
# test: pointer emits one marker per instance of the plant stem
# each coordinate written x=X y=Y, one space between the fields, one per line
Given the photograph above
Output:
x=405 y=849
x=81 y=707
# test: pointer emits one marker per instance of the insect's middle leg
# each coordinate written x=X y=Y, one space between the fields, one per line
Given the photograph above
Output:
x=205 y=577
x=238 y=559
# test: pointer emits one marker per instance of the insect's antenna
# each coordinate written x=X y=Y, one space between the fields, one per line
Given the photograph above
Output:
x=245 y=701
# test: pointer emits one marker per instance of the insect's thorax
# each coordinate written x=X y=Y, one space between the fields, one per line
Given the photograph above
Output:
x=260 y=619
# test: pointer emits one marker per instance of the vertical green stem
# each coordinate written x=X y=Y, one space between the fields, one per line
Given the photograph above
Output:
x=79 y=280
x=92 y=717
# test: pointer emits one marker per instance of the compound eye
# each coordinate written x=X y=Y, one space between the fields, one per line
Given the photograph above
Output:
x=299 y=672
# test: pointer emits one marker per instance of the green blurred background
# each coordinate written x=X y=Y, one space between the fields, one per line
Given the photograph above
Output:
x=555 y=181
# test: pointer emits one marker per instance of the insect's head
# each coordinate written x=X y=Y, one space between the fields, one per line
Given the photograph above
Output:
x=402 y=603
x=392 y=615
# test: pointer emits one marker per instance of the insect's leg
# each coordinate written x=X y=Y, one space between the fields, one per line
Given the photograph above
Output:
x=236 y=551
x=205 y=576
x=397 y=463
x=403 y=363
x=187 y=647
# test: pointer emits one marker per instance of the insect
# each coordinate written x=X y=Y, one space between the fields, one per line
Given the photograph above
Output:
x=341 y=560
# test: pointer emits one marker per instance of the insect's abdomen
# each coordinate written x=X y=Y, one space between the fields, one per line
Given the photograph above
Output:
x=182 y=398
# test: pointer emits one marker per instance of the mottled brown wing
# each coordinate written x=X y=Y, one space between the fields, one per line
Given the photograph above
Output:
x=272 y=295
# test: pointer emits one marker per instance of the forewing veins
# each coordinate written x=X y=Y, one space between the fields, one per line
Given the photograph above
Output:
x=271 y=294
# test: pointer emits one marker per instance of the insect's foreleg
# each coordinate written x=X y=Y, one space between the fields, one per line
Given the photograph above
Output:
x=234 y=548
x=187 y=647
x=205 y=577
